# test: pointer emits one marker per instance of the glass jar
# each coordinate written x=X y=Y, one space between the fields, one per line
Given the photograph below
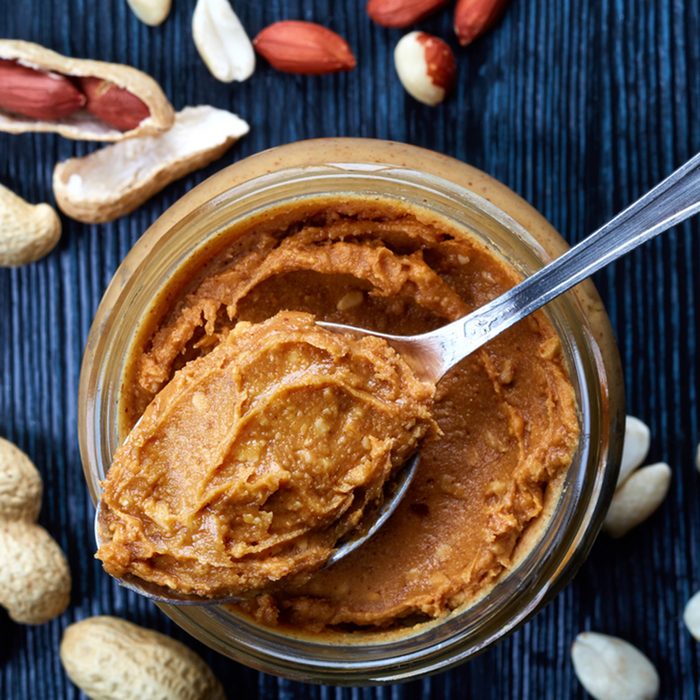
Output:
x=507 y=224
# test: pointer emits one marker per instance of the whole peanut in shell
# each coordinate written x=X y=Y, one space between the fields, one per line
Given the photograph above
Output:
x=112 y=659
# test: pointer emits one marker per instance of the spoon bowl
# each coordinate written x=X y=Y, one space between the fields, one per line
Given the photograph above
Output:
x=394 y=491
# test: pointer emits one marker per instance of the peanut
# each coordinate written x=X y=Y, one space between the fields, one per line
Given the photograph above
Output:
x=111 y=659
x=426 y=67
x=222 y=41
x=27 y=232
x=691 y=616
x=402 y=13
x=34 y=577
x=473 y=17
x=113 y=105
x=37 y=94
x=636 y=447
x=612 y=669
x=638 y=497
x=151 y=12
x=304 y=47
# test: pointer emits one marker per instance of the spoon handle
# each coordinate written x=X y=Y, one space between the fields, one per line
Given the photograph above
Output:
x=673 y=200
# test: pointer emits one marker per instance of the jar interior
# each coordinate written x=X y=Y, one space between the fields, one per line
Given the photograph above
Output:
x=430 y=646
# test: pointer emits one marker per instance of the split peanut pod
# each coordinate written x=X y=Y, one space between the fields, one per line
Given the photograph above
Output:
x=115 y=180
x=27 y=232
x=41 y=90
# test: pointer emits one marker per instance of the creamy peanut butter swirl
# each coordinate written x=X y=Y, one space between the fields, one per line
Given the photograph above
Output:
x=252 y=462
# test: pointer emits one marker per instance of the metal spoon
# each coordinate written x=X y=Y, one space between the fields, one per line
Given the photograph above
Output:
x=432 y=354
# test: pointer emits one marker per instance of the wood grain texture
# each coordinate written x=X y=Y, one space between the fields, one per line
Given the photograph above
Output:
x=579 y=106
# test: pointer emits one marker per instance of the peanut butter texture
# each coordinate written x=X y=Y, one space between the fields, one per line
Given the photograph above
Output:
x=254 y=460
x=507 y=414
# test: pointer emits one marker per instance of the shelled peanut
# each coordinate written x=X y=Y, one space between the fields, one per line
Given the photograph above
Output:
x=473 y=18
x=36 y=94
x=426 y=67
x=151 y=12
x=610 y=668
x=402 y=13
x=306 y=48
x=640 y=490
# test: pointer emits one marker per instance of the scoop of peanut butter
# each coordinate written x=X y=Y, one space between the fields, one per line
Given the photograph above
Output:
x=255 y=459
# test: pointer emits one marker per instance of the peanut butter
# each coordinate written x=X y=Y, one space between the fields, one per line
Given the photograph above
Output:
x=506 y=415
x=255 y=459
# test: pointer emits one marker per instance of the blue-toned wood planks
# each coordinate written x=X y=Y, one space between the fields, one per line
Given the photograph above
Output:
x=579 y=106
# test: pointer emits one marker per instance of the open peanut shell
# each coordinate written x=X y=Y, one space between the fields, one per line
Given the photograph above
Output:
x=81 y=124
x=113 y=181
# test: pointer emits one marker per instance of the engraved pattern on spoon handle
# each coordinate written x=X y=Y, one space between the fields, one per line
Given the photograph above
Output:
x=672 y=201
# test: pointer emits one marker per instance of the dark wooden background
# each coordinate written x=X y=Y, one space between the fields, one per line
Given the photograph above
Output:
x=578 y=105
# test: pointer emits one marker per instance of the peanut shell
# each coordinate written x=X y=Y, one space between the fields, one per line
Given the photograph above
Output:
x=115 y=180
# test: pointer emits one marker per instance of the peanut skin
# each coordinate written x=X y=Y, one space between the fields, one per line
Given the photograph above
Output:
x=402 y=13
x=474 y=17
x=37 y=94
x=307 y=48
x=113 y=105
